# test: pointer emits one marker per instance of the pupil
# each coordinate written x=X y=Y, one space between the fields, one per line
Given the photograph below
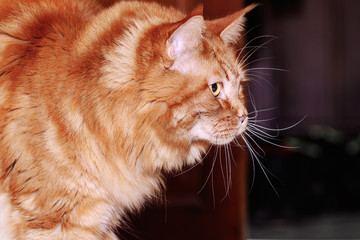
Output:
x=214 y=87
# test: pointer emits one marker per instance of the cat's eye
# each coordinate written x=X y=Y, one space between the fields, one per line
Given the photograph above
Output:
x=215 y=88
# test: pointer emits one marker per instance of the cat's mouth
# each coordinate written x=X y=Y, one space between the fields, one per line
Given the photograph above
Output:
x=228 y=133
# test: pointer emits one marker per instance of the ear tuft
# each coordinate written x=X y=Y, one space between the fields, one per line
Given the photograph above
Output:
x=187 y=36
x=229 y=28
x=232 y=33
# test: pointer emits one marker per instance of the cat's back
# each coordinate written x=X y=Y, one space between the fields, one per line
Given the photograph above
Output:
x=43 y=35
x=38 y=30
x=36 y=50
x=28 y=19
x=74 y=22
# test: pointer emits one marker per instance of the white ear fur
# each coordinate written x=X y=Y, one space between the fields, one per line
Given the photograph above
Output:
x=232 y=33
x=186 y=37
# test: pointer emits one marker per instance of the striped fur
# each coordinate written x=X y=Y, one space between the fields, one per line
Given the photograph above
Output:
x=96 y=103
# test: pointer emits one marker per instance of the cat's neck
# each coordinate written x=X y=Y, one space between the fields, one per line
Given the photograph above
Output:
x=144 y=166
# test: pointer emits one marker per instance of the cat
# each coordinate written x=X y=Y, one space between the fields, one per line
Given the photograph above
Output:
x=96 y=104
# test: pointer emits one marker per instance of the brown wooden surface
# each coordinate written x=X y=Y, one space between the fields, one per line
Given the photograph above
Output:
x=215 y=8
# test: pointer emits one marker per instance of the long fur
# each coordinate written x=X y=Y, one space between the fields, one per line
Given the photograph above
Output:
x=95 y=103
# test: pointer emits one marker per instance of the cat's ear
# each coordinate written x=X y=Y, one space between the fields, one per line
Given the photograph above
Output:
x=229 y=28
x=186 y=36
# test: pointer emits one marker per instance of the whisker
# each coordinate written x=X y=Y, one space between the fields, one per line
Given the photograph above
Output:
x=262 y=132
x=254 y=121
x=282 y=129
x=261 y=110
x=251 y=52
x=211 y=171
x=265 y=68
x=252 y=100
x=274 y=144
x=238 y=144
x=232 y=156
x=262 y=167
x=251 y=151
x=257 y=145
x=230 y=159
x=248 y=31
x=257 y=60
x=254 y=76
x=228 y=172
x=222 y=172
x=251 y=41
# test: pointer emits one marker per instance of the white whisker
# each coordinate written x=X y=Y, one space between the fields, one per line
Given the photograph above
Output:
x=211 y=170
x=229 y=161
x=251 y=52
x=282 y=129
x=248 y=31
x=252 y=100
x=262 y=132
x=253 y=121
x=265 y=68
x=238 y=144
x=254 y=157
x=256 y=77
x=252 y=162
x=258 y=47
x=257 y=60
x=257 y=145
x=262 y=110
x=274 y=144
x=222 y=172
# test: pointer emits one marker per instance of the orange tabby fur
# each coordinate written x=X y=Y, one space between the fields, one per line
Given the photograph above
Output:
x=96 y=103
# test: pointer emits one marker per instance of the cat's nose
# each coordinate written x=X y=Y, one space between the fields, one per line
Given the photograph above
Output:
x=243 y=117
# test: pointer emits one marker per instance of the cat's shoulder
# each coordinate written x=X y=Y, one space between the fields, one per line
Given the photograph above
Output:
x=20 y=12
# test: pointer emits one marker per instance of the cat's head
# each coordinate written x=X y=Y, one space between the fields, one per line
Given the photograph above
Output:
x=195 y=70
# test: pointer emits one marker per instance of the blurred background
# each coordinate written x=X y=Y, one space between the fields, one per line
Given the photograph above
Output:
x=305 y=73
x=318 y=183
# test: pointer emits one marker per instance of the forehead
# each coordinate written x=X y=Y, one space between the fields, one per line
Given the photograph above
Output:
x=223 y=61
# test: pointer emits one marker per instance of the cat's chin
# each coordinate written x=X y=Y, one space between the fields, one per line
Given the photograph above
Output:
x=228 y=139
x=222 y=140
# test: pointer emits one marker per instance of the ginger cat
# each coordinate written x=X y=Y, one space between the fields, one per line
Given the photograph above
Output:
x=96 y=103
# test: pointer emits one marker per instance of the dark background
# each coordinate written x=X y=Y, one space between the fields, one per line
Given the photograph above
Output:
x=318 y=183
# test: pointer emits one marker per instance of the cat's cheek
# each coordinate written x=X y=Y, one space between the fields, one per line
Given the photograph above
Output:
x=222 y=96
x=196 y=133
x=5 y=217
x=199 y=132
x=203 y=131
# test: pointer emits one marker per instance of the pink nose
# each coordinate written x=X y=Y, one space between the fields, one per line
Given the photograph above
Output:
x=243 y=117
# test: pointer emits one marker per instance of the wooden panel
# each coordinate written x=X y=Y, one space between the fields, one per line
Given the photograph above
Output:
x=215 y=8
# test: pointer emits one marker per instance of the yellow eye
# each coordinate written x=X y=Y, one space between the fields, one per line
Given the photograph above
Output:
x=215 y=88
